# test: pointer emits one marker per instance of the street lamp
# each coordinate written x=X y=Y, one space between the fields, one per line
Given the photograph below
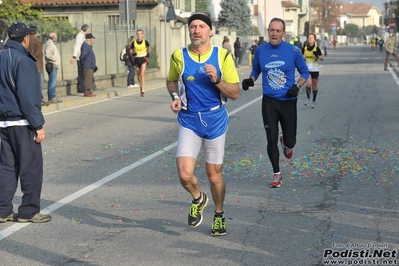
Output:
x=128 y=12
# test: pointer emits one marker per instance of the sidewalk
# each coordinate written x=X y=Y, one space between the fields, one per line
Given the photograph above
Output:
x=101 y=94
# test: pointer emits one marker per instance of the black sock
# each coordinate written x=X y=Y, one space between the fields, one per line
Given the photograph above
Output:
x=308 y=92
x=315 y=95
x=219 y=214
x=199 y=199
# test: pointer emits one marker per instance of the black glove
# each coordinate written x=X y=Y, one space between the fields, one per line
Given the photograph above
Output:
x=246 y=83
x=95 y=69
x=293 y=91
x=315 y=54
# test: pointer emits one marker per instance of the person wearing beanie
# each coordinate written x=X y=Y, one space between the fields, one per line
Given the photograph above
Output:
x=208 y=77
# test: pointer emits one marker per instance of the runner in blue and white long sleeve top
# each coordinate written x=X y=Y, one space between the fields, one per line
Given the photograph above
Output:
x=278 y=65
x=278 y=62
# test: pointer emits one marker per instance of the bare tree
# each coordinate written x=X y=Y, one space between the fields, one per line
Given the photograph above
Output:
x=325 y=13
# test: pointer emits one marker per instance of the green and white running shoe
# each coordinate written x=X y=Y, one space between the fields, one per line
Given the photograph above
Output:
x=218 y=226
x=195 y=215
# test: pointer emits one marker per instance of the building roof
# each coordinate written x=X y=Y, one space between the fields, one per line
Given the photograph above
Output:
x=80 y=2
x=288 y=3
x=357 y=9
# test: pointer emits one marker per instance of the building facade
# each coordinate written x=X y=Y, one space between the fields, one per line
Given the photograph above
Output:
x=360 y=14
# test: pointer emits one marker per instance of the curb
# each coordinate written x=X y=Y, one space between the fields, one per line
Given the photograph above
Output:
x=78 y=99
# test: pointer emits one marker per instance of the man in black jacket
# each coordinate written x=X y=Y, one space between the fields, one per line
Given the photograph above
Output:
x=21 y=129
x=237 y=51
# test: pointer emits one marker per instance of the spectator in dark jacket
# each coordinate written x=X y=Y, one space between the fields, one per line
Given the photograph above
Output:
x=129 y=62
x=261 y=40
x=22 y=132
x=88 y=61
x=79 y=40
x=298 y=43
x=252 y=50
x=237 y=51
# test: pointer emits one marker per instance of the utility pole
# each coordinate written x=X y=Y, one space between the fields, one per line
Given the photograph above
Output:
x=127 y=12
x=127 y=19
x=166 y=38
x=310 y=16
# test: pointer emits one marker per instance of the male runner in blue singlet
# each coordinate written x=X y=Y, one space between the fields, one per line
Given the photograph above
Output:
x=201 y=78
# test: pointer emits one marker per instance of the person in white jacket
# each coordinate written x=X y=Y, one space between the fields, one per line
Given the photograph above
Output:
x=79 y=40
x=52 y=56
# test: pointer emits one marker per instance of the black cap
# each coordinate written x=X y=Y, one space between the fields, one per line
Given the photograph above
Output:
x=89 y=36
x=32 y=29
x=17 y=31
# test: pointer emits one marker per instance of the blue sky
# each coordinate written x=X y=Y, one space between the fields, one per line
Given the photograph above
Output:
x=377 y=3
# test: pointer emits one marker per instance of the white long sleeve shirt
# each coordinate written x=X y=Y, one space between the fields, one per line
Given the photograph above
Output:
x=80 y=38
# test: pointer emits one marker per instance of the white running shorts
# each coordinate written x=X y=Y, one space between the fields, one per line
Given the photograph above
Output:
x=189 y=144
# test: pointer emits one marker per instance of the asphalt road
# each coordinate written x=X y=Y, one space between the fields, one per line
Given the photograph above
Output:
x=112 y=188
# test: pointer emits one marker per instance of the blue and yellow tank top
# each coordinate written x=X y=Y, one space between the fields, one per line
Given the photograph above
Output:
x=197 y=92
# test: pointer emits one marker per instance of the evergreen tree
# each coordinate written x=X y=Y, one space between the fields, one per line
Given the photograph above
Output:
x=202 y=6
x=352 y=30
x=236 y=14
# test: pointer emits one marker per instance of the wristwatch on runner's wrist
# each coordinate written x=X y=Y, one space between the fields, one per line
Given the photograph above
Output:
x=218 y=80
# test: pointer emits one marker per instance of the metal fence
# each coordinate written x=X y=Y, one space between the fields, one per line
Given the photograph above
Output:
x=246 y=43
x=107 y=46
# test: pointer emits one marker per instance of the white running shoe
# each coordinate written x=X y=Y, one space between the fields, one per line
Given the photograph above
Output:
x=307 y=102
x=313 y=104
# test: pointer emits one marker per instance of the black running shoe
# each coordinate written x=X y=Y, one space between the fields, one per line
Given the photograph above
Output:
x=195 y=215
x=218 y=226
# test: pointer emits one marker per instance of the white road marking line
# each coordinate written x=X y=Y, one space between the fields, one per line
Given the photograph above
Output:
x=62 y=202
x=393 y=73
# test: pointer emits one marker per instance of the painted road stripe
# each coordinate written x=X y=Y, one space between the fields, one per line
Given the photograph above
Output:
x=18 y=226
